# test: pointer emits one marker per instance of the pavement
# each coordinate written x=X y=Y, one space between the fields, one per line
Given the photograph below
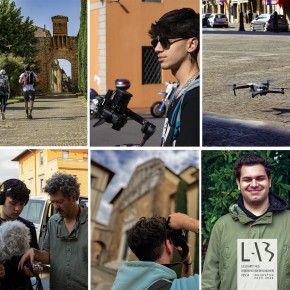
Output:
x=104 y=135
x=58 y=120
x=233 y=56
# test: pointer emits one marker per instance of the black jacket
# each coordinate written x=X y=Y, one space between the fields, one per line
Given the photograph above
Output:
x=15 y=279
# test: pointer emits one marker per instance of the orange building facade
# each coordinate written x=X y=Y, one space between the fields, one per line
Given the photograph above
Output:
x=118 y=44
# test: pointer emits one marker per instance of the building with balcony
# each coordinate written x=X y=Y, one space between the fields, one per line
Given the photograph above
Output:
x=38 y=165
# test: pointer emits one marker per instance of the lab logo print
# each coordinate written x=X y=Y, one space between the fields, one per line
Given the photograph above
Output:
x=257 y=264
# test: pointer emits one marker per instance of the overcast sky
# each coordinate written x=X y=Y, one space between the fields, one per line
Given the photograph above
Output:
x=8 y=168
x=123 y=163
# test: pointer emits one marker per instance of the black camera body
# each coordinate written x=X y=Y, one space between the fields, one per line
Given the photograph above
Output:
x=113 y=108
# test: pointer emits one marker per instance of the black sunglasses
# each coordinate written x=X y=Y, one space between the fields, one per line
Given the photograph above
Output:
x=165 y=43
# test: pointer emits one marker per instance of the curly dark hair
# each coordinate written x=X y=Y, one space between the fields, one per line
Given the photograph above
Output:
x=177 y=23
x=16 y=189
x=251 y=159
x=147 y=237
x=67 y=184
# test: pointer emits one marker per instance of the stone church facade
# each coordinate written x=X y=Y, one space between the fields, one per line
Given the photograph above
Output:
x=150 y=191
x=50 y=49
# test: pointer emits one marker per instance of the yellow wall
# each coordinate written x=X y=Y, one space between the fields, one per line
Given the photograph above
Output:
x=76 y=164
x=126 y=33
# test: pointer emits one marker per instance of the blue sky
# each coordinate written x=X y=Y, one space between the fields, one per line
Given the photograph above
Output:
x=41 y=11
x=123 y=163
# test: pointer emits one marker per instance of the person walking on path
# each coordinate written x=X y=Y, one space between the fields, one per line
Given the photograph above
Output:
x=4 y=92
x=28 y=79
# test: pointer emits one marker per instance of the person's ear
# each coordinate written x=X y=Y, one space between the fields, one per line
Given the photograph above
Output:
x=192 y=44
x=168 y=247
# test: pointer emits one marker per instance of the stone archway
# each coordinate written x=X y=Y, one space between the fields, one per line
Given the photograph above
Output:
x=58 y=80
x=50 y=48
x=98 y=251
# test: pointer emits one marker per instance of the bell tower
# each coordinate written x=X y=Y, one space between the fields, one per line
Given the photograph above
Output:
x=59 y=31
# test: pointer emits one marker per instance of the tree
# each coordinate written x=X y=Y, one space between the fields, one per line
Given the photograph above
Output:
x=12 y=65
x=82 y=49
x=16 y=36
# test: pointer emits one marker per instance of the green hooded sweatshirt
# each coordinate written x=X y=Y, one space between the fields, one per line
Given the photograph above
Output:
x=220 y=266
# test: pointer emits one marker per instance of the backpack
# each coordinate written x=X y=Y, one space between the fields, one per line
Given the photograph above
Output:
x=160 y=285
x=29 y=78
x=3 y=84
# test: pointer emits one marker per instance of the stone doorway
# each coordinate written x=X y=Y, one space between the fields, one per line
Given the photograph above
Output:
x=60 y=76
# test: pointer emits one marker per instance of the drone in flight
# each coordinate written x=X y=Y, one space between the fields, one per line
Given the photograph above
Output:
x=261 y=89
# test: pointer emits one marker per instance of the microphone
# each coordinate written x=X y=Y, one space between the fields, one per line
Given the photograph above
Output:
x=14 y=239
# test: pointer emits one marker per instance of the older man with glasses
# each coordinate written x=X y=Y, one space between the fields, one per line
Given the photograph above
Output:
x=175 y=38
x=66 y=239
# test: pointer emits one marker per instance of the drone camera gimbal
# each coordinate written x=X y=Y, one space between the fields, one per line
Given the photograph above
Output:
x=113 y=108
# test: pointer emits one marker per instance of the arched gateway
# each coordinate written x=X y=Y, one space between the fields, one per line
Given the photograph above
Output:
x=52 y=79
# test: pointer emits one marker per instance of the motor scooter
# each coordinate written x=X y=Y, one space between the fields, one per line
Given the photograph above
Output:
x=158 y=109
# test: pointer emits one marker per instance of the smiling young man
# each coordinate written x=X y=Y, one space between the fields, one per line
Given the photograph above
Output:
x=66 y=239
x=175 y=38
x=258 y=215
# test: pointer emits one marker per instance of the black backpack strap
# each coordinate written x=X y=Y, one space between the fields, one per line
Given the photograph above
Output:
x=160 y=285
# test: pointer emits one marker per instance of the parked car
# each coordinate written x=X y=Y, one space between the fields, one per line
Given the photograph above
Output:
x=266 y=22
x=38 y=210
x=218 y=20
x=204 y=19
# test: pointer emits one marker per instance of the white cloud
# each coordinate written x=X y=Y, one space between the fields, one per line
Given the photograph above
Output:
x=9 y=169
x=103 y=215
x=124 y=162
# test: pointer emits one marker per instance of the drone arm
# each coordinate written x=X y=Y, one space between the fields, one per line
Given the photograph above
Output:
x=278 y=91
x=235 y=87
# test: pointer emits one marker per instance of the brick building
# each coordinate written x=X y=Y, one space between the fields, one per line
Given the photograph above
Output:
x=51 y=48
x=150 y=191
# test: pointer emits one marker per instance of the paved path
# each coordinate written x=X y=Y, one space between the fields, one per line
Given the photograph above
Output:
x=58 y=120
x=104 y=135
x=241 y=57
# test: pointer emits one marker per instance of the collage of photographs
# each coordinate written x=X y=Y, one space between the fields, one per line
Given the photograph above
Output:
x=81 y=81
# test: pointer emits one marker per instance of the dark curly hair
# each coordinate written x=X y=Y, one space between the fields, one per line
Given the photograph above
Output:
x=177 y=23
x=16 y=189
x=67 y=184
x=146 y=238
x=251 y=159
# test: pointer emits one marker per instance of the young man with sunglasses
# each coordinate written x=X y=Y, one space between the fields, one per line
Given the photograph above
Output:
x=66 y=239
x=150 y=240
x=175 y=38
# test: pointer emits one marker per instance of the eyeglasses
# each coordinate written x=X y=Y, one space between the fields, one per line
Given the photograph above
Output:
x=165 y=43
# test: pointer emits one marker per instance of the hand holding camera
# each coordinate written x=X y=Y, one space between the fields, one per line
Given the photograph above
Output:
x=182 y=221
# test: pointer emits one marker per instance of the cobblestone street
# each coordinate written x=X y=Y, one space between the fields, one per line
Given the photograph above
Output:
x=243 y=57
x=58 y=120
